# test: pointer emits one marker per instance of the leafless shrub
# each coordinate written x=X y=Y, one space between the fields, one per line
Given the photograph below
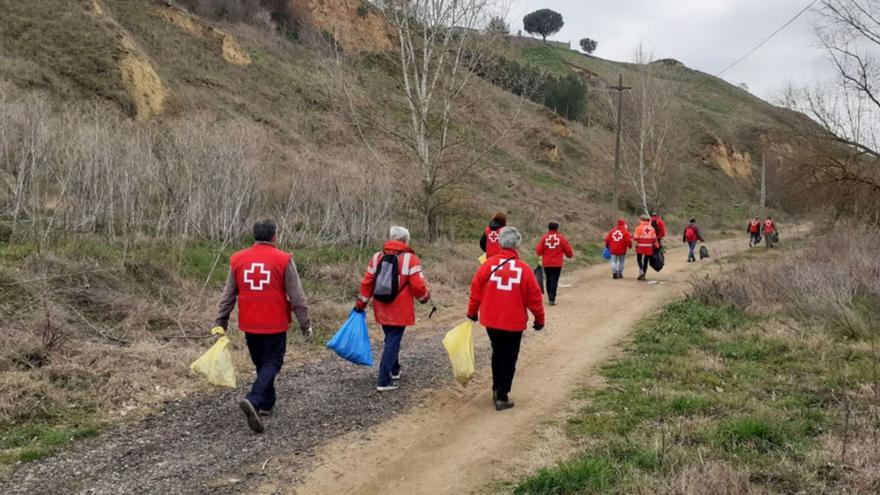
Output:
x=65 y=171
x=824 y=281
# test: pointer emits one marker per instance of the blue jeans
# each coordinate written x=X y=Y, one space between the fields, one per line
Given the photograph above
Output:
x=390 y=364
x=691 y=246
x=267 y=353
x=617 y=262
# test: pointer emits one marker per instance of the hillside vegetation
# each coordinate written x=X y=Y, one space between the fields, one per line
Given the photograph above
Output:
x=138 y=142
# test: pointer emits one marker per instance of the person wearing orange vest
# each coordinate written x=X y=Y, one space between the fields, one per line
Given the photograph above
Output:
x=770 y=232
x=398 y=313
x=265 y=282
x=502 y=291
x=646 y=243
x=618 y=241
x=489 y=240
x=754 y=231
x=553 y=248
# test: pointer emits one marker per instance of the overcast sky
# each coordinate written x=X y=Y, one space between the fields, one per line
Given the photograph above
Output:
x=706 y=35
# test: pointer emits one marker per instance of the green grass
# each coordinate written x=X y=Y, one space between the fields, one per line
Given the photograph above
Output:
x=31 y=442
x=703 y=383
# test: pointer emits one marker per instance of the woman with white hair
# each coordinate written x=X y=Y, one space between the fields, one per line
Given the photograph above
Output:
x=502 y=291
x=393 y=279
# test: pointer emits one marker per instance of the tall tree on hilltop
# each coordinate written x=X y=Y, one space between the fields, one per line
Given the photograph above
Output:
x=589 y=45
x=544 y=22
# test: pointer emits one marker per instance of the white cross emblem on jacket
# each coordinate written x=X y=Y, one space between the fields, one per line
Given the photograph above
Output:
x=552 y=241
x=504 y=279
x=617 y=236
x=257 y=276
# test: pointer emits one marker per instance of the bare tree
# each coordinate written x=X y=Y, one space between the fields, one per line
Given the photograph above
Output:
x=438 y=48
x=844 y=157
x=651 y=131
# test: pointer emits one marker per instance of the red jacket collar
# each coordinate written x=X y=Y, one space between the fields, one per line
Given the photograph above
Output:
x=396 y=247
x=507 y=253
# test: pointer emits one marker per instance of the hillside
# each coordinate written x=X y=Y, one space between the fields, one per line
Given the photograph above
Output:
x=139 y=141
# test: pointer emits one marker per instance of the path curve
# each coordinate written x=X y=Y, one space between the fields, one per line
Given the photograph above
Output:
x=460 y=443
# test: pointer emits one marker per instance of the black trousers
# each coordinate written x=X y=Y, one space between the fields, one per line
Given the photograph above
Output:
x=552 y=275
x=643 y=260
x=505 y=352
x=267 y=354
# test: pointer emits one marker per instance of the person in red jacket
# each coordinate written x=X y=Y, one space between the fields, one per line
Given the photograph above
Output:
x=553 y=248
x=398 y=313
x=502 y=290
x=754 y=231
x=266 y=284
x=690 y=236
x=618 y=241
x=659 y=227
x=489 y=240
x=646 y=243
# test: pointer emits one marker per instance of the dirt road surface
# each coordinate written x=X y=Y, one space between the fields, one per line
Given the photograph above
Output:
x=332 y=433
x=461 y=444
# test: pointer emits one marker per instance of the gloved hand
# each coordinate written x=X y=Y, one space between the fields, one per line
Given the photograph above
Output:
x=307 y=333
x=359 y=306
x=218 y=331
x=472 y=317
x=538 y=327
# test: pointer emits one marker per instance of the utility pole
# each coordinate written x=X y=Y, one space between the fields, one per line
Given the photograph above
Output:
x=763 y=179
x=615 y=185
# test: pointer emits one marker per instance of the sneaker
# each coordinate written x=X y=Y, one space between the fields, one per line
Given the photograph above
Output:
x=614 y=276
x=641 y=277
x=552 y=303
x=252 y=416
x=619 y=275
x=501 y=405
x=395 y=377
x=264 y=413
x=387 y=388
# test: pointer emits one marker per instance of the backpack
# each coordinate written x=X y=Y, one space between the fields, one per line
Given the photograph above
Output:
x=386 y=287
x=690 y=234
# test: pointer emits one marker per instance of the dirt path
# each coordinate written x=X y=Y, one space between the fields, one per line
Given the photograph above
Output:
x=460 y=444
x=332 y=433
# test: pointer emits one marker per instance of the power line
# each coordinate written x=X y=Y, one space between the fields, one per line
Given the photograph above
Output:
x=768 y=38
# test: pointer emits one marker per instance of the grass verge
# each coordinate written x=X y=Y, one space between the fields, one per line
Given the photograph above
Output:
x=708 y=396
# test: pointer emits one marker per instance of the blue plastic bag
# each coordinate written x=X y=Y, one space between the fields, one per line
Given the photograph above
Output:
x=352 y=341
x=607 y=253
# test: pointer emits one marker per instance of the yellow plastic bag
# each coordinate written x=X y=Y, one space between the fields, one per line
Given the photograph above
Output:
x=216 y=364
x=482 y=258
x=459 y=344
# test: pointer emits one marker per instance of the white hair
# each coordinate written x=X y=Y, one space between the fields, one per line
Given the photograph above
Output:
x=398 y=233
x=510 y=238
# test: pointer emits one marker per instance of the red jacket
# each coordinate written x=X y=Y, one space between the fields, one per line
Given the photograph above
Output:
x=661 y=227
x=493 y=243
x=502 y=297
x=412 y=284
x=262 y=298
x=769 y=226
x=618 y=240
x=754 y=227
x=553 y=248
x=646 y=239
